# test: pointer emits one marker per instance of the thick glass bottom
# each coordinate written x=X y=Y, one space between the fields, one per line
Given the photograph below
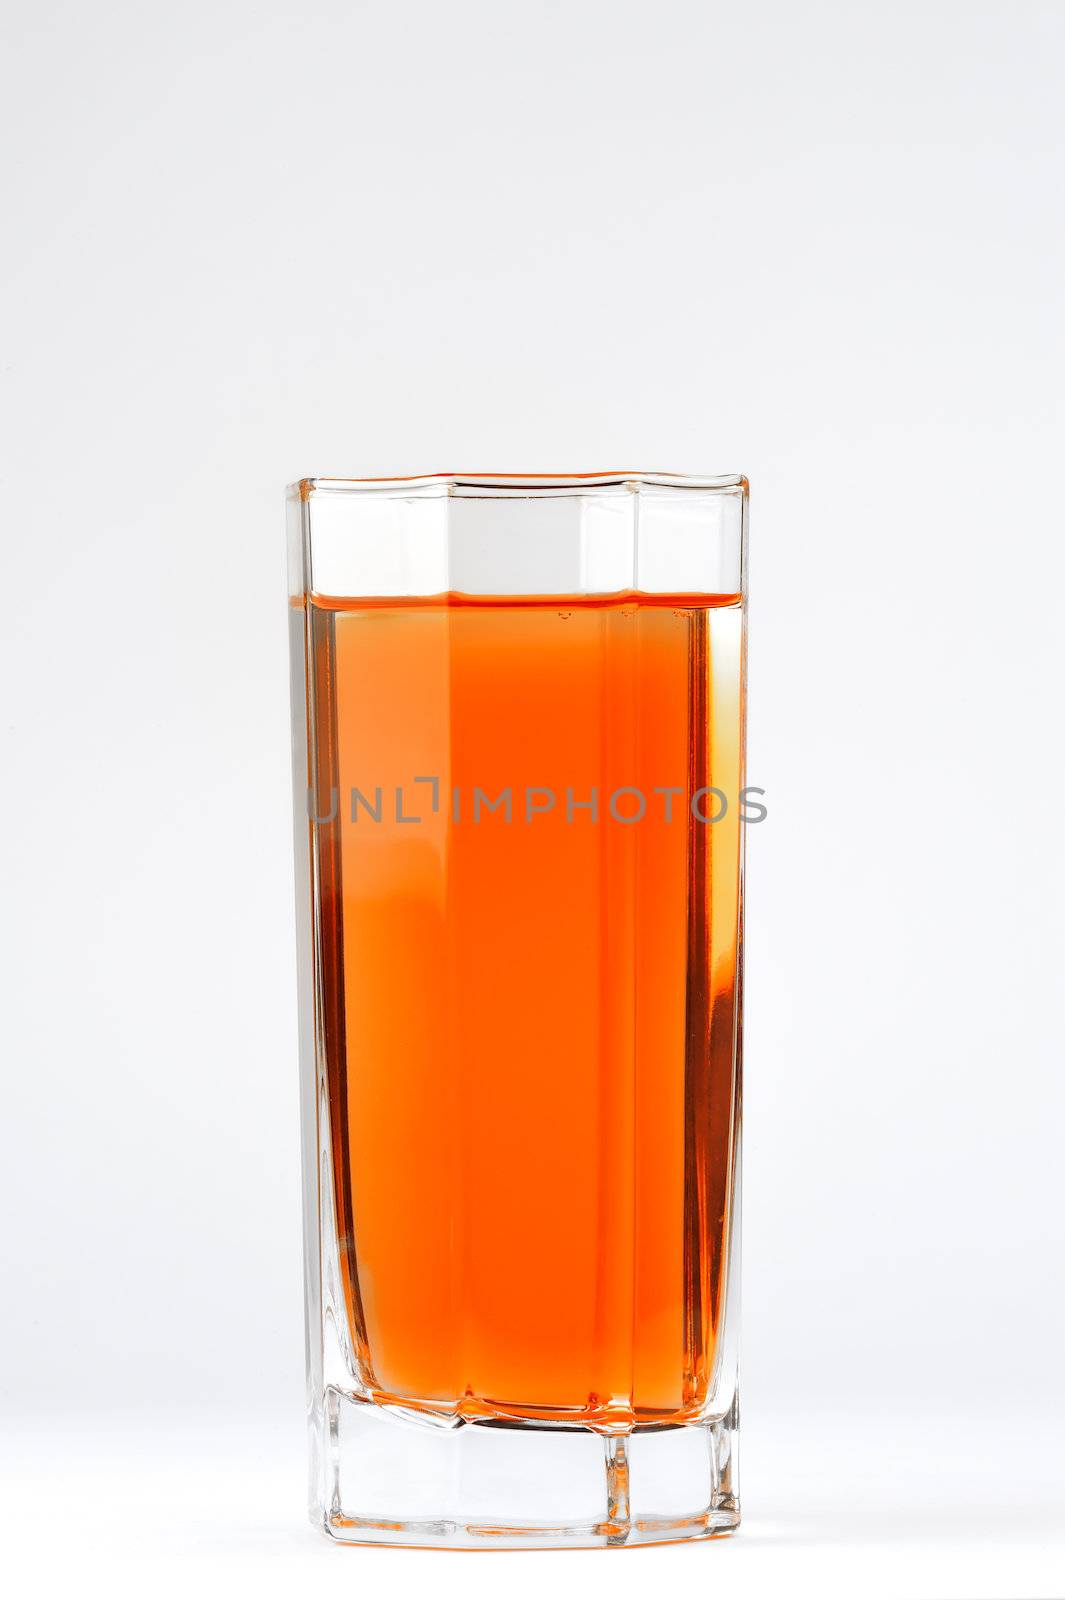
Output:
x=388 y=1476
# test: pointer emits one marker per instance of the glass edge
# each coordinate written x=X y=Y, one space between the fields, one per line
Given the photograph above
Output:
x=518 y=484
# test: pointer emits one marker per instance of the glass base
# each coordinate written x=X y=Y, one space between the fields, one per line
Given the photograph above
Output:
x=388 y=1476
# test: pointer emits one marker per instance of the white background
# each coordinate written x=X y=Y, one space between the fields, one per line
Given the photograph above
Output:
x=820 y=243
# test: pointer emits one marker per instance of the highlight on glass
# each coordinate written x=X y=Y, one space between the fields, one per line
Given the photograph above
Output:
x=518 y=740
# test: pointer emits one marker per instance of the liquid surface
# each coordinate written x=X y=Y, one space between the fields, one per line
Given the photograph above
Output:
x=530 y=1019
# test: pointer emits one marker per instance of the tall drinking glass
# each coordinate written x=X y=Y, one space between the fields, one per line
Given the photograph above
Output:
x=518 y=735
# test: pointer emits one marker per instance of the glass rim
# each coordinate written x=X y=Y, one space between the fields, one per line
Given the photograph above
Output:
x=526 y=485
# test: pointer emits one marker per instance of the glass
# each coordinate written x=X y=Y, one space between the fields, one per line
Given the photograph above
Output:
x=518 y=737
